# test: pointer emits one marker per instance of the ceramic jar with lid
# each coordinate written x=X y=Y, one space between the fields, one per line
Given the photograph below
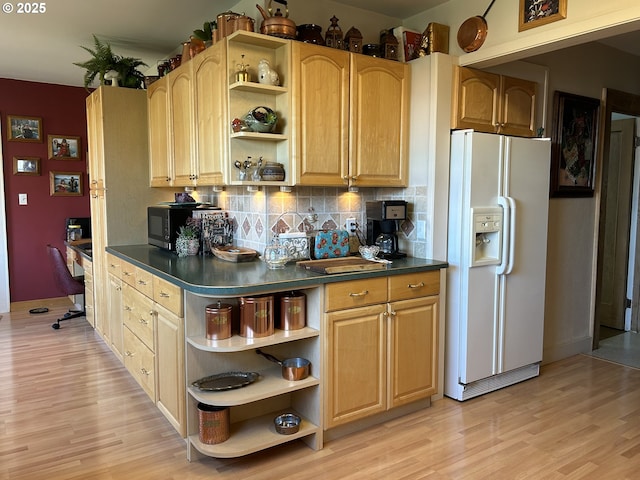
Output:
x=272 y=171
x=310 y=33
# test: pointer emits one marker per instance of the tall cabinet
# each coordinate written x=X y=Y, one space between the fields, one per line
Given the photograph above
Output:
x=118 y=168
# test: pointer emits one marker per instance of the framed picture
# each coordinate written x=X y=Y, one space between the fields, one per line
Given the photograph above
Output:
x=26 y=165
x=63 y=147
x=65 y=183
x=575 y=145
x=534 y=13
x=24 y=129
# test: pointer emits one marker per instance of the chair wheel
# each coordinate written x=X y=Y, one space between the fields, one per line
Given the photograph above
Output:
x=55 y=326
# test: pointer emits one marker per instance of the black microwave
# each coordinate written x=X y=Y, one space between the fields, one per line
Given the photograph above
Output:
x=163 y=222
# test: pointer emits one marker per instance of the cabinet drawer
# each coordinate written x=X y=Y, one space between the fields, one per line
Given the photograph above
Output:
x=114 y=265
x=128 y=273
x=414 y=285
x=87 y=265
x=140 y=361
x=168 y=295
x=88 y=280
x=138 y=314
x=356 y=293
x=144 y=282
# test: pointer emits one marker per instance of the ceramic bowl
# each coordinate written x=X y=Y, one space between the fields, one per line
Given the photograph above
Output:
x=369 y=252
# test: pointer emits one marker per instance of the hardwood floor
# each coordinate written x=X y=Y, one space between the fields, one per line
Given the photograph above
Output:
x=69 y=410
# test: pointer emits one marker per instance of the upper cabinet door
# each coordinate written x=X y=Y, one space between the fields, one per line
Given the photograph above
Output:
x=518 y=107
x=379 y=129
x=476 y=100
x=182 y=121
x=209 y=68
x=321 y=109
x=159 y=152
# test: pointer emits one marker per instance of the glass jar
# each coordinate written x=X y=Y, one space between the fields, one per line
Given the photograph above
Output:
x=74 y=232
x=276 y=256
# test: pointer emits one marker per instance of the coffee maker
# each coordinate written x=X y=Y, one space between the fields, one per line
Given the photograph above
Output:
x=382 y=218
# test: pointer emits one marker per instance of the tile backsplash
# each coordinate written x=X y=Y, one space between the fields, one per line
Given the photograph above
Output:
x=257 y=216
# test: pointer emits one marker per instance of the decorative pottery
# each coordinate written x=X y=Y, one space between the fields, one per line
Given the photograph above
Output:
x=261 y=119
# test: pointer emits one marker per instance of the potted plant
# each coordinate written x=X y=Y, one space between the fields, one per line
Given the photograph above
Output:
x=206 y=33
x=188 y=241
x=104 y=60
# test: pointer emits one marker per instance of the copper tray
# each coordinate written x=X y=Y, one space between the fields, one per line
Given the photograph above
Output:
x=226 y=381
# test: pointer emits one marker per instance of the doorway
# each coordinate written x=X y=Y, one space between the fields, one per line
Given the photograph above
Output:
x=618 y=228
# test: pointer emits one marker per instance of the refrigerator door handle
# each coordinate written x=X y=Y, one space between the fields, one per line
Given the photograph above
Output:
x=508 y=205
x=506 y=223
x=510 y=236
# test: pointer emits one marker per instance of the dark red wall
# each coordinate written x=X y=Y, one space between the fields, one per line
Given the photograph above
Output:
x=30 y=227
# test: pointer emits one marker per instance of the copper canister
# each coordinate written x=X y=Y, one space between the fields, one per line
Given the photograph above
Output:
x=213 y=424
x=256 y=316
x=219 y=319
x=293 y=311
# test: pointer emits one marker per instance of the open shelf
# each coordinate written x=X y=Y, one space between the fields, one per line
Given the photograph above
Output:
x=270 y=384
x=255 y=87
x=250 y=436
x=273 y=137
x=237 y=343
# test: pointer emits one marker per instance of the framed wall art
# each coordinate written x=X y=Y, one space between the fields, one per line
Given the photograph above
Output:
x=24 y=129
x=534 y=13
x=65 y=183
x=574 y=145
x=26 y=165
x=63 y=147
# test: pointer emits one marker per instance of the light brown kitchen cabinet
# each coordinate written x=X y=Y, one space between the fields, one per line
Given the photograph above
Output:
x=118 y=169
x=188 y=127
x=154 y=340
x=114 y=303
x=493 y=103
x=160 y=152
x=212 y=127
x=381 y=345
x=182 y=125
x=352 y=114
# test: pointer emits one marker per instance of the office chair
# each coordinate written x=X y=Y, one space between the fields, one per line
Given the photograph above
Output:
x=69 y=284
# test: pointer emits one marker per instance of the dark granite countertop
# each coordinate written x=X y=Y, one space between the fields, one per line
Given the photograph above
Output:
x=207 y=275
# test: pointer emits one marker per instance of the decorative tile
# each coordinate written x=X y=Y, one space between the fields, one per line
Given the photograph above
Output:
x=259 y=226
x=246 y=227
x=407 y=227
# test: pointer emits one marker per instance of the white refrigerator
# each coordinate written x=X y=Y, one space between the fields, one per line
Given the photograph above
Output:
x=497 y=247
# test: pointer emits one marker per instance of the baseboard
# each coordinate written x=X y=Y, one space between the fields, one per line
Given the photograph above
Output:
x=566 y=350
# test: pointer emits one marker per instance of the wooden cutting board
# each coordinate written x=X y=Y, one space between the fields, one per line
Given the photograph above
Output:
x=340 y=265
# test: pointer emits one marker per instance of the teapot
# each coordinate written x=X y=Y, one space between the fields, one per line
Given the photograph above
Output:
x=277 y=25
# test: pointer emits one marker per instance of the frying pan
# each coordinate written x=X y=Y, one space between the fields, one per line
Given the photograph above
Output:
x=473 y=32
x=293 y=369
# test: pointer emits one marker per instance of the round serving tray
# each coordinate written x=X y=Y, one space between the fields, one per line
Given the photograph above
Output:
x=226 y=381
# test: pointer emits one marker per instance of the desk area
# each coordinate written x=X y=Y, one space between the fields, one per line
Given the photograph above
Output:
x=79 y=263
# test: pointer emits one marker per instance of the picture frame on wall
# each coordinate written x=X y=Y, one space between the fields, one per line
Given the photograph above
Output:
x=534 y=13
x=574 y=145
x=65 y=184
x=63 y=147
x=24 y=129
x=26 y=166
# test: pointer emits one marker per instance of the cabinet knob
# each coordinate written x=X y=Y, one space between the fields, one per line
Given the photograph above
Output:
x=127 y=308
x=164 y=295
x=361 y=294
x=416 y=285
x=168 y=179
x=143 y=321
x=144 y=371
x=129 y=354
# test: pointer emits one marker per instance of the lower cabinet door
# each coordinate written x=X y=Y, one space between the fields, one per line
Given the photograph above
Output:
x=140 y=361
x=170 y=356
x=413 y=350
x=356 y=364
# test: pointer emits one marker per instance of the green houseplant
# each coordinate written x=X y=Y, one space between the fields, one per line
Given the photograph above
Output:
x=104 y=60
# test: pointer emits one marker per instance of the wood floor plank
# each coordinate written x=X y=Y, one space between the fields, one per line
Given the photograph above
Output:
x=69 y=410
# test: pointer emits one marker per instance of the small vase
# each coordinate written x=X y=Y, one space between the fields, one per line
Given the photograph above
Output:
x=187 y=246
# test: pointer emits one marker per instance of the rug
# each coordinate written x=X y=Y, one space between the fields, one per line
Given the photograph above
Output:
x=623 y=349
